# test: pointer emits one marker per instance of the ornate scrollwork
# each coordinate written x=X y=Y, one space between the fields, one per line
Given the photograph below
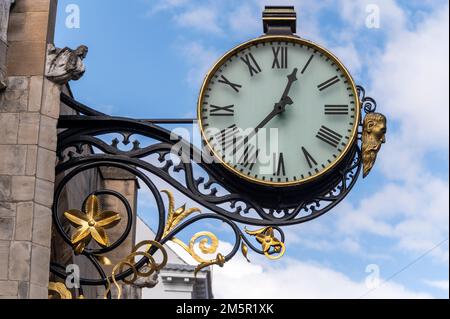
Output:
x=150 y=266
x=57 y=290
x=368 y=104
x=270 y=245
x=85 y=143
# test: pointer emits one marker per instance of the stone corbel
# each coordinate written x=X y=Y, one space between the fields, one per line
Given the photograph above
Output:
x=64 y=65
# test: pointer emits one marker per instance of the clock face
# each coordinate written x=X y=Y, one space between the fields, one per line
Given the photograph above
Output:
x=278 y=111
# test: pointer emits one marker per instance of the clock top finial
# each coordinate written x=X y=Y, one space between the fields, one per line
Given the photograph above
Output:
x=279 y=20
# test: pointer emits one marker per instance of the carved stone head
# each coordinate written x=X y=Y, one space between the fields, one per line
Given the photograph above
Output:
x=81 y=51
x=374 y=134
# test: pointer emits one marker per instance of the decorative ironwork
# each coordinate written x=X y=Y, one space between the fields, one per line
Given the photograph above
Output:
x=85 y=142
x=270 y=245
x=91 y=224
x=57 y=290
x=368 y=104
x=129 y=262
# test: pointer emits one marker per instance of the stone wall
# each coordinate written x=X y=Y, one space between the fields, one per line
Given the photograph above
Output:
x=29 y=109
x=5 y=6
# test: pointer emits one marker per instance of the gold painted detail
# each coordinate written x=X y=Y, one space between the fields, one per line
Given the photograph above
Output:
x=373 y=135
x=219 y=260
x=208 y=242
x=175 y=216
x=57 y=290
x=244 y=251
x=103 y=260
x=129 y=262
x=91 y=224
x=269 y=244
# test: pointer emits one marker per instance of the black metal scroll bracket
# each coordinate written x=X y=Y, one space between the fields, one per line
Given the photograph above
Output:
x=243 y=202
x=224 y=197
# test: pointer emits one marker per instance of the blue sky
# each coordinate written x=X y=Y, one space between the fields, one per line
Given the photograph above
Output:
x=147 y=60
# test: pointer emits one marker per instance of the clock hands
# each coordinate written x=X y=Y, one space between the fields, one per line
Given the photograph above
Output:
x=278 y=108
x=291 y=79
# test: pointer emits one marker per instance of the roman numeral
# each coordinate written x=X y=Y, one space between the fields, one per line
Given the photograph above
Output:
x=221 y=110
x=309 y=158
x=307 y=63
x=250 y=61
x=329 y=136
x=234 y=86
x=336 y=109
x=280 y=169
x=248 y=158
x=328 y=83
x=280 y=57
x=228 y=136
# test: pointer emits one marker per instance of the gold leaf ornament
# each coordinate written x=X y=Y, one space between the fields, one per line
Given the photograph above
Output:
x=175 y=216
x=104 y=260
x=91 y=224
x=266 y=237
x=208 y=243
x=58 y=290
x=244 y=250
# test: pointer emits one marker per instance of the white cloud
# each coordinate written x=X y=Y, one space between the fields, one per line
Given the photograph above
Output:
x=350 y=56
x=411 y=81
x=411 y=85
x=291 y=278
x=439 y=284
x=244 y=20
x=201 y=19
x=392 y=17
x=288 y=278
x=200 y=58
x=416 y=216
x=163 y=5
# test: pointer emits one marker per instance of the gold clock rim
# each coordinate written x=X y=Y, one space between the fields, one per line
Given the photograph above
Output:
x=268 y=38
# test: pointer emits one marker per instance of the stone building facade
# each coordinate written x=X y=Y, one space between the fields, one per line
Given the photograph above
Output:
x=33 y=73
x=29 y=110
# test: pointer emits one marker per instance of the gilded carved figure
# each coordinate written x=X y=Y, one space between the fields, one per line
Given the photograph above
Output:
x=374 y=132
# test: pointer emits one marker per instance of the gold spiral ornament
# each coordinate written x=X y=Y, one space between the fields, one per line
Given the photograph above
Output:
x=207 y=245
x=58 y=290
x=129 y=262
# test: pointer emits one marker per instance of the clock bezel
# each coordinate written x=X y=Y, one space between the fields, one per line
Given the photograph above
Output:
x=274 y=38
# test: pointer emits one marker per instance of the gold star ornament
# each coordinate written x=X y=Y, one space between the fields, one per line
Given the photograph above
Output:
x=266 y=237
x=91 y=224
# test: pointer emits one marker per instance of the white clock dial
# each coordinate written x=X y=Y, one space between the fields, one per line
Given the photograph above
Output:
x=279 y=110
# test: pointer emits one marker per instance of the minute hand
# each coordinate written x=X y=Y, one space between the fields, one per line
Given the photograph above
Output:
x=277 y=109
x=291 y=79
x=284 y=100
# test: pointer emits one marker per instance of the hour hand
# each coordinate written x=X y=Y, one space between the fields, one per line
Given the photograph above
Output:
x=287 y=100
